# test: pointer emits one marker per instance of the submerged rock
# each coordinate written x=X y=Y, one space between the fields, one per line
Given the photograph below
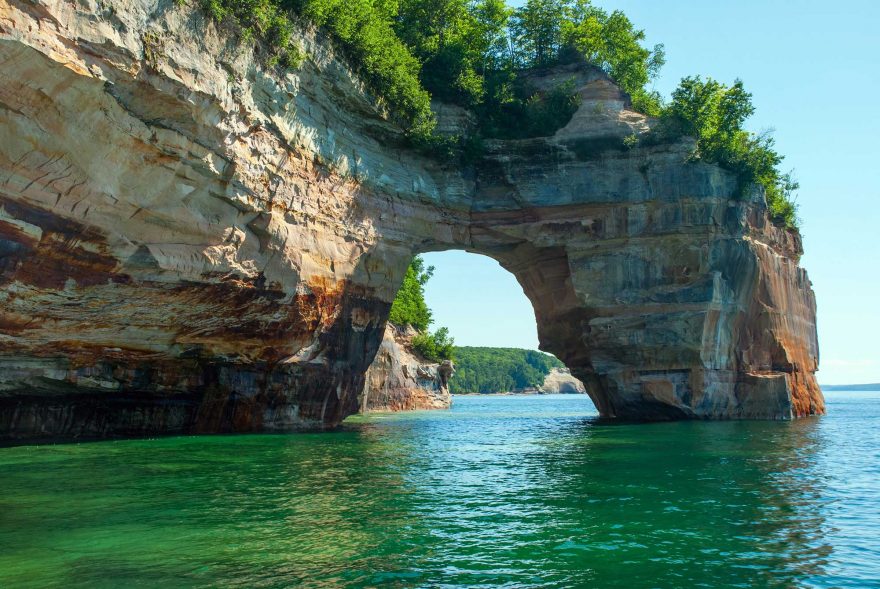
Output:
x=193 y=242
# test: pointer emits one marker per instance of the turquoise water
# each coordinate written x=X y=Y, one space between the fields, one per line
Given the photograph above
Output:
x=498 y=492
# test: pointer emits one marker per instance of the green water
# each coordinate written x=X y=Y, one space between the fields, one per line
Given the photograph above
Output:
x=513 y=492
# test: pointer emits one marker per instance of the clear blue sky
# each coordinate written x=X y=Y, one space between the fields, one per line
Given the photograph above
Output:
x=813 y=69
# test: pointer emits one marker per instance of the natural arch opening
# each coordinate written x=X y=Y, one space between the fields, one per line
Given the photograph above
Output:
x=471 y=300
x=493 y=323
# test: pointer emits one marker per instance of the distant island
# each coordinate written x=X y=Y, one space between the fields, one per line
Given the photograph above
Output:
x=851 y=387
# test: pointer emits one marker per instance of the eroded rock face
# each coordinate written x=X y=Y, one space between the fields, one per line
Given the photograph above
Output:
x=560 y=381
x=399 y=379
x=191 y=242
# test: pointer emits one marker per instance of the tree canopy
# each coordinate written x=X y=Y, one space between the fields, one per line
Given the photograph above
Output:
x=436 y=346
x=714 y=113
x=498 y=370
x=409 y=306
x=467 y=52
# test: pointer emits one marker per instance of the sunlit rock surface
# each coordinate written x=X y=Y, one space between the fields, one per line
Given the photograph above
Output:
x=190 y=242
x=560 y=381
x=399 y=379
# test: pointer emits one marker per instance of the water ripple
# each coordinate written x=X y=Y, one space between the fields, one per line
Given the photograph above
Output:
x=499 y=492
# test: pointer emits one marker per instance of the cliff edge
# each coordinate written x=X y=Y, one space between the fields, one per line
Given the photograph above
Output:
x=399 y=379
x=560 y=381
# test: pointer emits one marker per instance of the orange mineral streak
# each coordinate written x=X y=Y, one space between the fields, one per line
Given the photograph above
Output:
x=225 y=316
x=776 y=336
x=237 y=317
x=55 y=252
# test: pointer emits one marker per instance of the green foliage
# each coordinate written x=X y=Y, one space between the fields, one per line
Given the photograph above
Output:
x=462 y=51
x=547 y=32
x=538 y=115
x=264 y=19
x=444 y=35
x=548 y=112
x=365 y=30
x=537 y=28
x=714 y=114
x=472 y=52
x=498 y=370
x=647 y=102
x=409 y=306
x=437 y=346
x=611 y=42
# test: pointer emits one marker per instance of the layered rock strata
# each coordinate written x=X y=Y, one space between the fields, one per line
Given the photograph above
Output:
x=399 y=379
x=193 y=242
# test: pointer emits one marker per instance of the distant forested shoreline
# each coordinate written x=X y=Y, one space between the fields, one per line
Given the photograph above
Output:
x=499 y=370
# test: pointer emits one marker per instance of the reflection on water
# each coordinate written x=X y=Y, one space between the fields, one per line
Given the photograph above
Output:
x=497 y=492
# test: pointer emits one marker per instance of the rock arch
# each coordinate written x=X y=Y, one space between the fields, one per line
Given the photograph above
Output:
x=670 y=299
x=191 y=243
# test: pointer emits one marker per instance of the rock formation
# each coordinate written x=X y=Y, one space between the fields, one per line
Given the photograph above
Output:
x=560 y=381
x=193 y=242
x=399 y=379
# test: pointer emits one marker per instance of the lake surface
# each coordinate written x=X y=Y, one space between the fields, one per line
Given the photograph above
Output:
x=499 y=491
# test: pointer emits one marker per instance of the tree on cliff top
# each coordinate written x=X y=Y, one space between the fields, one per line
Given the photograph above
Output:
x=714 y=114
x=409 y=306
x=472 y=52
x=437 y=346
x=462 y=51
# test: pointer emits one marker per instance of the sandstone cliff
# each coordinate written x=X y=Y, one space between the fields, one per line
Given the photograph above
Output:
x=560 y=381
x=399 y=379
x=190 y=242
